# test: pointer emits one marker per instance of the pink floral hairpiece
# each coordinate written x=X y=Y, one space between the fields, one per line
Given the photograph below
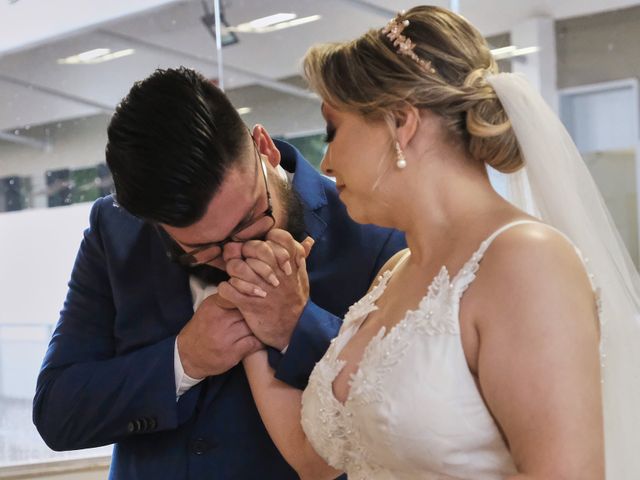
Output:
x=393 y=31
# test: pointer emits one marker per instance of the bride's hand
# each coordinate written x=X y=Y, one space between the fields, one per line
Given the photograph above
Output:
x=271 y=309
x=262 y=265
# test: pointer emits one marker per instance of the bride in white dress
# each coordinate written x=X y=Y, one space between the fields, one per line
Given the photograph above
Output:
x=476 y=353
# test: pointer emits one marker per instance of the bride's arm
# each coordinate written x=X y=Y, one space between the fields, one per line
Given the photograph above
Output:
x=538 y=359
x=280 y=405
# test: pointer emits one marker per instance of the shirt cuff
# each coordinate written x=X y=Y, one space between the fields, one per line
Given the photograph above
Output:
x=183 y=381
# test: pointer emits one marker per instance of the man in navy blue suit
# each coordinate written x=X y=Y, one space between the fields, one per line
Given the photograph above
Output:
x=145 y=354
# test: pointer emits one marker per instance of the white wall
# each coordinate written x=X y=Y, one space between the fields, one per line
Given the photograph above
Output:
x=37 y=251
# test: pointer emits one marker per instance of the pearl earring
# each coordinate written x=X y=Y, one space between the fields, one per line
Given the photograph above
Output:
x=401 y=162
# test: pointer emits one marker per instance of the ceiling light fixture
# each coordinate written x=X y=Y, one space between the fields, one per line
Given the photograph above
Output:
x=97 y=55
x=296 y=22
x=272 y=23
x=244 y=110
x=272 y=20
x=512 y=51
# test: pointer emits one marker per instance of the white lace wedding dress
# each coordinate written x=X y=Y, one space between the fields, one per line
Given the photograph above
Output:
x=413 y=410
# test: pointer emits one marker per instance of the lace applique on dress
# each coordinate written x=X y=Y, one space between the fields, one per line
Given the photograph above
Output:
x=328 y=428
x=331 y=431
x=367 y=304
x=334 y=428
x=373 y=435
x=434 y=316
x=598 y=299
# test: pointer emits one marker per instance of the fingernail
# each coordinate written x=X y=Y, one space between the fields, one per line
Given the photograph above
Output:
x=287 y=268
x=259 y=292
x=274 y=280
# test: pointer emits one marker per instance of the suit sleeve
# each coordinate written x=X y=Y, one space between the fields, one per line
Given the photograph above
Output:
x=311 y=337
x=317 y=327
x=88 y=395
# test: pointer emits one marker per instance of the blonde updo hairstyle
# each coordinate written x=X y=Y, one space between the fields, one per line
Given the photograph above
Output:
x=368 y=76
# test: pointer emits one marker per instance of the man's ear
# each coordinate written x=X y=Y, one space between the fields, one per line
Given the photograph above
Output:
x=265 y=144
x=407 y=120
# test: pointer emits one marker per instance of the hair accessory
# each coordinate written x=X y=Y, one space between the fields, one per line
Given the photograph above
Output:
x=401 y=163
x=393 y=31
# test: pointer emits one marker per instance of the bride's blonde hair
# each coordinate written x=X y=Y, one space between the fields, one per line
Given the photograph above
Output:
x=370 y=77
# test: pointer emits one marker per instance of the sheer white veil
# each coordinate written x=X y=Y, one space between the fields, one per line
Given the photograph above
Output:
x=556 y=186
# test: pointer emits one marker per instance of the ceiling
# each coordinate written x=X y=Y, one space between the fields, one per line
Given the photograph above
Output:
x=35 y=89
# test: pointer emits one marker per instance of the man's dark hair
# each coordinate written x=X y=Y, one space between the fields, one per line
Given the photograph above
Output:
x=170 y=143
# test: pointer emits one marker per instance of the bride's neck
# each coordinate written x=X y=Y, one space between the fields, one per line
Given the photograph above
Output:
x=446 y=210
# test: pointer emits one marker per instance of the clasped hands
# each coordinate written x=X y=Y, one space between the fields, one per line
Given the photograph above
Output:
x=259 y=305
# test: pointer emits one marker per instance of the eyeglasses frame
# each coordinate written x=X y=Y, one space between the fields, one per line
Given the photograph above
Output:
x=189 y=259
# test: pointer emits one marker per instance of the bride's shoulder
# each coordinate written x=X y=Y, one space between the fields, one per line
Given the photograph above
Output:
x=533 y=262
x=532 y=247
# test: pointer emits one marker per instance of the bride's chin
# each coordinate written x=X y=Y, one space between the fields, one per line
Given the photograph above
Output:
x=354 y=213
x=359 y=214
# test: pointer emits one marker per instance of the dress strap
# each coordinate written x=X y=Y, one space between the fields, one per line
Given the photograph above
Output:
x=472 y=265
x=467 y=273
x=487 y=243
x=403 y=259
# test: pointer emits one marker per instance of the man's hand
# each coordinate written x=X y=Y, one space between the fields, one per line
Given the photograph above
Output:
x=214 y=340
x=269 y=285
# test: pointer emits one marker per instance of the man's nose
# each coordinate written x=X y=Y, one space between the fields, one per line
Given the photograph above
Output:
x=232 y=250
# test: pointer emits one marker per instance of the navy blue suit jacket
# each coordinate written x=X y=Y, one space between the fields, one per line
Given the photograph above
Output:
x=108 y=374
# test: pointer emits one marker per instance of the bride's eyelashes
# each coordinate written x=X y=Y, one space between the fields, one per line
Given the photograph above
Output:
x=330 y=133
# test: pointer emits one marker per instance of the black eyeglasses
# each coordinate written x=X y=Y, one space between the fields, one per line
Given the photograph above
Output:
x=254 y=229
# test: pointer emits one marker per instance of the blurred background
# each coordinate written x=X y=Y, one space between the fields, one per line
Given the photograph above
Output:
x=65 y=65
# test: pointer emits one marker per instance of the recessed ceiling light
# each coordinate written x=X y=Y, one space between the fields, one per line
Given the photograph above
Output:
x=272 y=20
x=512 y=51
x=244 y=110
x=97 y=55
x=296 y=22
x=272 y=23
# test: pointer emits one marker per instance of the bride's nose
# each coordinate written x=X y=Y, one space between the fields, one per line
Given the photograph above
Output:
x=325 y=165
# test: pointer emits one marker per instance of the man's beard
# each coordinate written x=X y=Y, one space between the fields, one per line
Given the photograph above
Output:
x=293 y=211
x=208 y=274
